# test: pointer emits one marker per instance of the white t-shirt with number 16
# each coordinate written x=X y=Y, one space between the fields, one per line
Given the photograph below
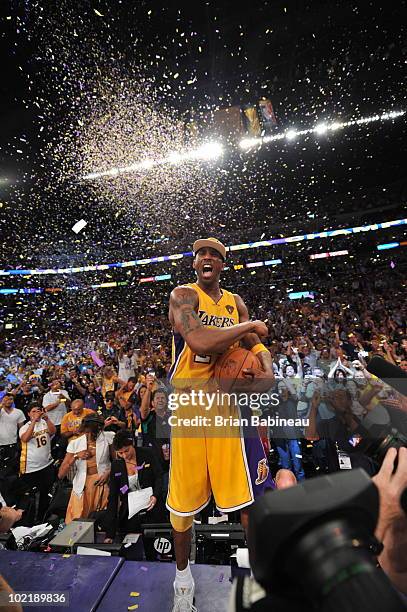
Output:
x=36 y=453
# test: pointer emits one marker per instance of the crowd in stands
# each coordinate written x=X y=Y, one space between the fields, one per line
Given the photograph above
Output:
x=71 y=406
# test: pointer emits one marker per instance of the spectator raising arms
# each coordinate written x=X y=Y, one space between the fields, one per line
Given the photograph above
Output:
x=36 y=460
x=127 y=364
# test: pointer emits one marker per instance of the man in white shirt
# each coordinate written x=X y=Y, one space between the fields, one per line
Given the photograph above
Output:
x=11 y=419
x=36 y=467
x=55 y=403
x=127 y=364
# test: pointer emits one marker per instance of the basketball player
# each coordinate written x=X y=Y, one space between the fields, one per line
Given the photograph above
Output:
x=207 y=321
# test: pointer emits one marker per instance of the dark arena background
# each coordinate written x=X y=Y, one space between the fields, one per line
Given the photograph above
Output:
x=129 y=130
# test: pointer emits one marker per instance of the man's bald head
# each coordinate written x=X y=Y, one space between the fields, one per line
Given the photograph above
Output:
x=77 y=406
x=285 y=479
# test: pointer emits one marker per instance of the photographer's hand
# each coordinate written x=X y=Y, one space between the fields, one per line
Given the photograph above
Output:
x=390 y=485
x=392 y=525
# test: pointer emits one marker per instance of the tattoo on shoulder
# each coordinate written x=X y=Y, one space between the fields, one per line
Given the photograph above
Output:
x=185 y=297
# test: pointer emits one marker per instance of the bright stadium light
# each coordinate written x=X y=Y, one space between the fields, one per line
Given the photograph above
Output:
x=207 y=151
x=144 y=165
x=290 y=134
x=210 y=150
x=174 y=158
x=247 y=143
x=321 y=128
x=213 y=150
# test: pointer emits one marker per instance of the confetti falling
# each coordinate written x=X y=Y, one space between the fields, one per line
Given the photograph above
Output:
x=103 y=86
x=79 y=225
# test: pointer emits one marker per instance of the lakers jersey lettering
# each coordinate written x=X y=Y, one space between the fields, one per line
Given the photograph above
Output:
x=189 y=369
x=215 y=321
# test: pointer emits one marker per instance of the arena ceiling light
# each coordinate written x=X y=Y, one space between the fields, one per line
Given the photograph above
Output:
x=344 y=231
x=319 y=129
x=328 y=254
x=206 y=152
x=213 y=150
x=291 y=134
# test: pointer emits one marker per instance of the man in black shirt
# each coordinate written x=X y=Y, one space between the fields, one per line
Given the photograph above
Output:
x=112 y=414
x=73 y=385
x=25 y=396
x=154 y=425
x=351 y=347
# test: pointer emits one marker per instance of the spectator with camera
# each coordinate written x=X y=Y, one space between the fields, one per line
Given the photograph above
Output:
x=341 y=445
x=36 y=467
x=114 y=416
x=55 y=403
x=74 y=386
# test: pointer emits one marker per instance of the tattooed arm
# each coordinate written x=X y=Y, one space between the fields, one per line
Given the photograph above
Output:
x=200 y=339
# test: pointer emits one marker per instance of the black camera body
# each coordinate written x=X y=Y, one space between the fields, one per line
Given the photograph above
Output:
x=312 y=547
x=280 y=520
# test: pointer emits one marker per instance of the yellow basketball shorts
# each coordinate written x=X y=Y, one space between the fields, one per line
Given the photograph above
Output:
x=206 y=464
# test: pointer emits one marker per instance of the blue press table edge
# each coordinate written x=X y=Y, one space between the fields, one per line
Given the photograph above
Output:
x=107 y=585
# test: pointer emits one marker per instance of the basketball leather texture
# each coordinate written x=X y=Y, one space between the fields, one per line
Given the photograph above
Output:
x=229 y=369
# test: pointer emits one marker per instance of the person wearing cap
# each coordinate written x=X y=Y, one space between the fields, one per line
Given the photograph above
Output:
x=90 y=455
x=206 y=322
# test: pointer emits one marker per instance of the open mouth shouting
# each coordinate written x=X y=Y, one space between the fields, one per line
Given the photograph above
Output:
x=207 y=270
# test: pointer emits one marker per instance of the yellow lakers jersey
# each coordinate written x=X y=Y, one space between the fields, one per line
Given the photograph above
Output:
x=189 y=369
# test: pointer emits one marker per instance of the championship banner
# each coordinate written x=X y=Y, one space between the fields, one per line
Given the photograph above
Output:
x=227 y=122
x=267 y=113
x=253 y=123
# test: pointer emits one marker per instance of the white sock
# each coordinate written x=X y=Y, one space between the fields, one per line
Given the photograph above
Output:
x=184 y=577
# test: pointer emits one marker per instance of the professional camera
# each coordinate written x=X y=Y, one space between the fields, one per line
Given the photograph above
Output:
x=379 y=434
x=312 y=547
